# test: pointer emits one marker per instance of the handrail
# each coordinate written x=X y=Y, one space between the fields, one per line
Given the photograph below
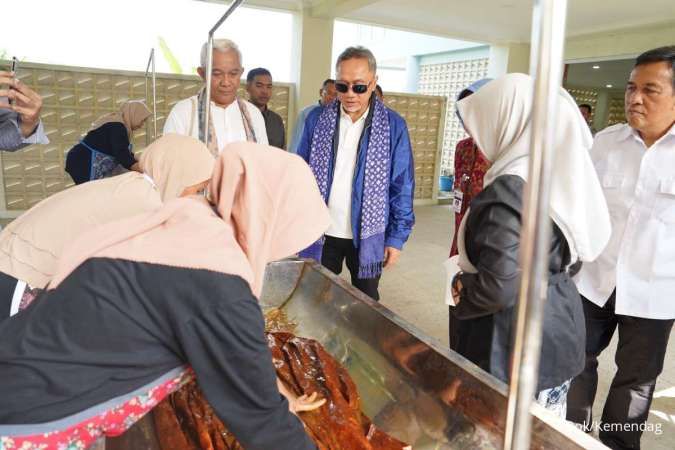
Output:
x=151 y=65
x=209 y=66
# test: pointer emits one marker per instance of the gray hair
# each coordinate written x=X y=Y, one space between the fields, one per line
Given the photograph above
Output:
x=357 y=52
x=222 y=45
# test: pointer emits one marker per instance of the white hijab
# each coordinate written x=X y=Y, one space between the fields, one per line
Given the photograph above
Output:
x=498 y=118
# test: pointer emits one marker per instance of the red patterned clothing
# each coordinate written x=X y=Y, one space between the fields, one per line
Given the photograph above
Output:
x=470 y=168
x=29 y=294
x=83 y=429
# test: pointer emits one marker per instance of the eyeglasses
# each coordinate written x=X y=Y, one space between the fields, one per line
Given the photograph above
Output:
x=359 y=89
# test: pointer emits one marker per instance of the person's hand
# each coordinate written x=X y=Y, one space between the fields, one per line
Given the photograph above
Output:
x=305 y=403
x=456 y=289
x=391 y=256
x=25 y=101
x=6 y=80
x=299 y=404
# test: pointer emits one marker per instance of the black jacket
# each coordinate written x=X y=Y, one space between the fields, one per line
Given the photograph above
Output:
x=484 y=319
x=113 y=326
x=110 y=139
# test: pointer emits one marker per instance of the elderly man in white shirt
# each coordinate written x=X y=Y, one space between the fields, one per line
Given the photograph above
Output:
x=631 y=286
x=233 y=119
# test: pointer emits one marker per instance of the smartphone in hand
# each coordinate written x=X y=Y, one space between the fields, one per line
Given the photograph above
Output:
x=14 y=68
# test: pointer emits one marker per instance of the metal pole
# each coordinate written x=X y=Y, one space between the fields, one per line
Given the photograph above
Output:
x=207 y=100
x=233 y=6
x=147 y=135
x=151 y=64
x=546 y=62
x=209 y=67
x=154 y=97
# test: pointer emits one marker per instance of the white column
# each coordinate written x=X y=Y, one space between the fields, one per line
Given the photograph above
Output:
x=508 y=58
x=312 y=57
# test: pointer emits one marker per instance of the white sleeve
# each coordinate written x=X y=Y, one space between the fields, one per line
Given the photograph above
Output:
x=177 y=122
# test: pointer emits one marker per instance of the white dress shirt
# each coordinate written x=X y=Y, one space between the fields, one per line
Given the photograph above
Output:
x=639 y=185
x=227 y=122
x=340 y=199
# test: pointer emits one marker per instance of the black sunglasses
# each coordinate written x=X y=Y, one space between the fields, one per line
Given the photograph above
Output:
x=343 y=88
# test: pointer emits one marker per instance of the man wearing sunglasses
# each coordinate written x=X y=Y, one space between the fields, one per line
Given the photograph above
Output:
x=360 y=153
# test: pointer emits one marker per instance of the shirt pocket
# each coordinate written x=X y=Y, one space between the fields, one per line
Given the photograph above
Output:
x=611 y=186
x=663 y=269
x=665 y=204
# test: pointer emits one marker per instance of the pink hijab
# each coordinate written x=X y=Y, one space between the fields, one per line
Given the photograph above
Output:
x=267 y=207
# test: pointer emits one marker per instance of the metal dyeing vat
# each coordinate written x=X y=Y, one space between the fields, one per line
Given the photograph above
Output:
x=414 y=388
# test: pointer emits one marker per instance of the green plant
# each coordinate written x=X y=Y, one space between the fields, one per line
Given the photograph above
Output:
x=169 y=56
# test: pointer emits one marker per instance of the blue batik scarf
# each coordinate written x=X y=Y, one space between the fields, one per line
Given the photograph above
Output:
x=373 y=220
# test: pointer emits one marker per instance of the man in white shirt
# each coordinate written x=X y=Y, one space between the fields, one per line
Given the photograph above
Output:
x=232 y=119
x=360 y=153
x=631 y=286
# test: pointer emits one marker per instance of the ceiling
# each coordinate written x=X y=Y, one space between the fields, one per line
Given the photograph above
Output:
x=610 y=72
x=482 y=20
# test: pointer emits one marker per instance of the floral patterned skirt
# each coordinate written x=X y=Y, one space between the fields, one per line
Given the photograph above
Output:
x=81 y=430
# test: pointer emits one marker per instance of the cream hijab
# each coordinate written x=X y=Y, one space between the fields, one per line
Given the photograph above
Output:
x=498 y=118
x=132 y=114
x=32 y=244
x=266 y=206
x=175 y=162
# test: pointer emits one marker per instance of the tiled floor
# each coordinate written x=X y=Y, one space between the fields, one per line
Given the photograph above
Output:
x=414 y=289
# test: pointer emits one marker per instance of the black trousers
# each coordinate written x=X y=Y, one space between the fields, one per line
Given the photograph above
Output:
x=639 y=359
x=335 y=251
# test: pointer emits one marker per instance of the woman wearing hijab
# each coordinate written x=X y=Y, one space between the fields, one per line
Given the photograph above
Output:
x=498 y=118
x=32 y=244
x=108 y=144
x=136 y=300
x=470 y=168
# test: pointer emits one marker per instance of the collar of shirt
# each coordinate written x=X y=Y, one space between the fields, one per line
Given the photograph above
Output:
x=345 y=116
x=629 y=131
x=671 y=132
x=215 y=107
